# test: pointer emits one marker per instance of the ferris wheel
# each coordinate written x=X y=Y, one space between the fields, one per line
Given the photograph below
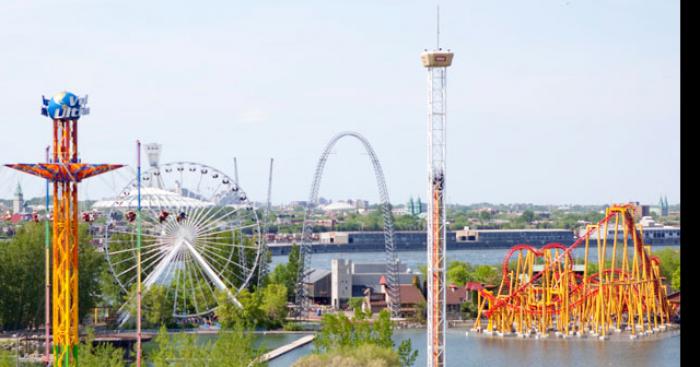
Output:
x=200 y=236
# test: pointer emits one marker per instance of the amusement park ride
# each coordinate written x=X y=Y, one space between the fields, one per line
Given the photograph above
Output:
x=65 y=171
x=541 y=291
x=437 y=62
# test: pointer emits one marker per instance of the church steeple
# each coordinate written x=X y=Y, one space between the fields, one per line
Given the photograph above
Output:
x=18 y=200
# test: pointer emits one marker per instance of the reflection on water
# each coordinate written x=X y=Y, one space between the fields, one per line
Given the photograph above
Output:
x=510 y=352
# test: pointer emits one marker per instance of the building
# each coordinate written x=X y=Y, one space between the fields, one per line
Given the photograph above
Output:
x=359 y=241
x=18 y=201
x=411 y=297
x=663 y=204
x=350 y=279
x=415 y=207
x=338 y=238
x=653 y=235
x=318 y=286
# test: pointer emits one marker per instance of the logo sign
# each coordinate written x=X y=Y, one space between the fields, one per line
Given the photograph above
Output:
x=440 y=58
x=64 y=106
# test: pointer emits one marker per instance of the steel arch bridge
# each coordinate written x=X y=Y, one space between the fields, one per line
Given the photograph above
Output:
x=301 y=298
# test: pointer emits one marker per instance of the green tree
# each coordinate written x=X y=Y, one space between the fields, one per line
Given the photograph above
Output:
x=459 y=272
x=487 y=274
x=527 y=216
x=407 y=355
x=676 y=279
x=355 y=303
x=103 y=355
x=235 y=348
x=286 y=274
x=670 y=261
x=339 y=335
x=165 y=349
x=249 y=315
x=22 y=277
x=274 y=303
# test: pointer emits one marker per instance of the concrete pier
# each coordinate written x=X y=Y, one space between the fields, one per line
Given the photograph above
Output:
x=287 y=348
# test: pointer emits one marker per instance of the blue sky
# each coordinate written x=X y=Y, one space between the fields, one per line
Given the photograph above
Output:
x=548 y=101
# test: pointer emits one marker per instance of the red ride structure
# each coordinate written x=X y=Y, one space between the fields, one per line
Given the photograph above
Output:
x=550 y=290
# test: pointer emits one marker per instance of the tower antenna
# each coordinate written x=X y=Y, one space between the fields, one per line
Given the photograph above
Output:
x=438 y=27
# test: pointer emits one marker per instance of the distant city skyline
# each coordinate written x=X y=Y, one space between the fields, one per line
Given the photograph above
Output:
x=546 y=102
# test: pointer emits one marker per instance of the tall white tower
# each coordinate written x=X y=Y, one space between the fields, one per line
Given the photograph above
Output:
x=153 y=152
x=436 y=61
x=18 y=200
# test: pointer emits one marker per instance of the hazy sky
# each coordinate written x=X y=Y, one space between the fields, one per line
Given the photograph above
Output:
x=548 y=101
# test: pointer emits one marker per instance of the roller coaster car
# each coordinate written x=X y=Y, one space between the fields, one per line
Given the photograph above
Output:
x=163 y=216
x=181 y=216
x=130 y=216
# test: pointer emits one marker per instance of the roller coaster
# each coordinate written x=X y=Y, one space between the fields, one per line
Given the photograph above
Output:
x=547 y=290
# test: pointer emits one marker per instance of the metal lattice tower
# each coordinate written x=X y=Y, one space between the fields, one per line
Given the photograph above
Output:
x=436 y=62
x=263 y=267
x=392 y=273
x=65 y=171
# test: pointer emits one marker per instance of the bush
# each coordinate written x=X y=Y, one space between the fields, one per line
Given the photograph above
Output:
x=366 y=355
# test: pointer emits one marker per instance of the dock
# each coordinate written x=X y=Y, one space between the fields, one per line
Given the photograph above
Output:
x=287 y=348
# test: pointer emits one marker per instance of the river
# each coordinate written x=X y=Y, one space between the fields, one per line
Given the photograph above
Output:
x=413 y=259
x=471 y=350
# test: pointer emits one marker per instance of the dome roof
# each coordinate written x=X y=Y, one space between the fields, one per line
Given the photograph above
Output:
x=152 y=197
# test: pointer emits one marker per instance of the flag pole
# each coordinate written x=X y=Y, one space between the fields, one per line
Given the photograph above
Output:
x=138 y=256
x=47 y=271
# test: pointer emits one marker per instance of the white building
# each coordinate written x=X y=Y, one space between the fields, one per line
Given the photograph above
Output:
x=350 y=279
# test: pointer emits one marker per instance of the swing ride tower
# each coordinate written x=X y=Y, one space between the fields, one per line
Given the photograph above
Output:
x=65 y=171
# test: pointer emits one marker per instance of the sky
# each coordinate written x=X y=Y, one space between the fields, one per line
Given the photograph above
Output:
x=549 y=102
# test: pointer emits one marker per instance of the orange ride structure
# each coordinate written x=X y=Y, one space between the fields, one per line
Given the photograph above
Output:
x=65 y=171
x=549 y=290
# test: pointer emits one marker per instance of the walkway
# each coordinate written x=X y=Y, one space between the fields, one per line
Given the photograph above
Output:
x=287 y=348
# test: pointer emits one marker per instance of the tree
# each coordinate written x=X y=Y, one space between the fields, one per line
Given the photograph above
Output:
x=459 y=272
x=340 y=336
x=249 y=315
x=670 y=261
x=286 y=274
x=528 y=216
x=103 y=355
x=355 y=303
x=22 y=277
x=407 y=355
x=235 y=348
x=676 y=279
x=274 y=303
x=487 y=274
